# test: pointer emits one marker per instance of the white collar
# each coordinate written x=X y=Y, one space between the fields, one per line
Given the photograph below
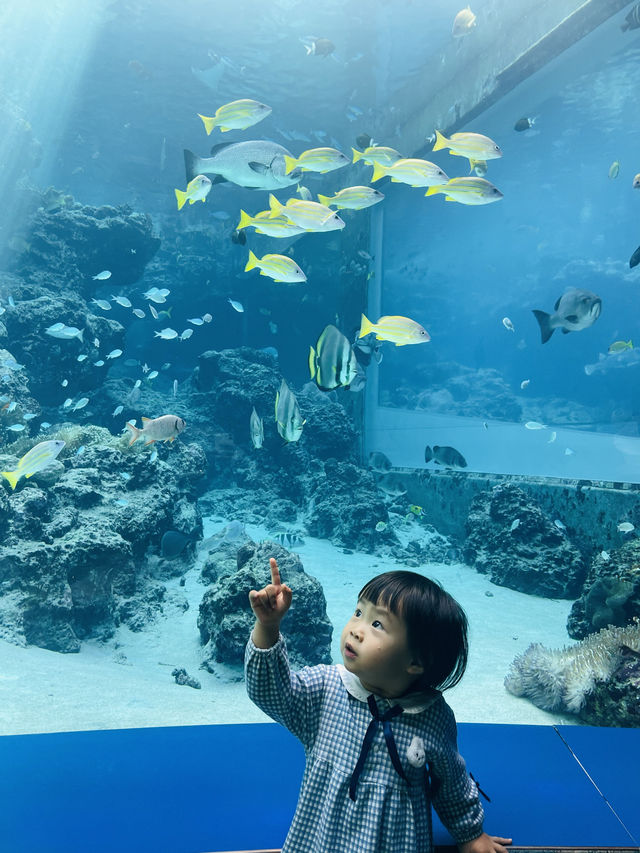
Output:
x=412 y=703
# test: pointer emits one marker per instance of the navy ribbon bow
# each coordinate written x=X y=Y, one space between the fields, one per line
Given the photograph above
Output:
x=385 y=719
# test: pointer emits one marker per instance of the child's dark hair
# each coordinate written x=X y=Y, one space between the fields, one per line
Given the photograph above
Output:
x=436 y=624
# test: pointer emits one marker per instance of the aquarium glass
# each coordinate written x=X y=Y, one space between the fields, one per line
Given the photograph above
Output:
x=199 y=373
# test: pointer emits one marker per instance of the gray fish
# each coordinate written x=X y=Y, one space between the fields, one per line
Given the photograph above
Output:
x=448 y=456
x=634 y=260
x=575 y=310
x=257 y=165
x=174 y=542
x=256 y=429
x=379 y=462
x=333 y=363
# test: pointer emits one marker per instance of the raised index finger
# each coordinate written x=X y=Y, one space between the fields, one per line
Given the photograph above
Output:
x=275 y=572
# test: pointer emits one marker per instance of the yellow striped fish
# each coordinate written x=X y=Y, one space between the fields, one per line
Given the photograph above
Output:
x=34 y=460
x=316 y=160
x=309 y=215
x=412 y=171
x=399 y=330
x=354 y=198
x=236 y=115
x=264 y=223
x=468 y=191
x=474 y=146
x=377 y=154
x=277 y=267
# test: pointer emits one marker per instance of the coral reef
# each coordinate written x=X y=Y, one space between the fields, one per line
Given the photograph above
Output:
x=510 y=538
x=75 y=536
x=584 y=679
x=225 y=619
x=611 y=592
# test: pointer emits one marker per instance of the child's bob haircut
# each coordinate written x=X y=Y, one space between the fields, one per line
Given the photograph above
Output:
x=436 y=624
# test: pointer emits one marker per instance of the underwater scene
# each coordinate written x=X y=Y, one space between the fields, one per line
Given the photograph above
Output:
x=351 y=285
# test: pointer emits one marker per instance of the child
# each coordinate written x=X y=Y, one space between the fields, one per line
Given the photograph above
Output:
x=379 y=739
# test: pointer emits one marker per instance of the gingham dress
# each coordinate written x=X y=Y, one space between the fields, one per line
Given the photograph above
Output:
x=326 y=708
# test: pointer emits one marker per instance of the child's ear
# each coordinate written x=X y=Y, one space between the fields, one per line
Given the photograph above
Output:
x=415 y=668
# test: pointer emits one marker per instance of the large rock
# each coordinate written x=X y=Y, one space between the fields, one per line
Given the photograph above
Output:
x=72 y=558
x=511 y=539
x=611 y=592
x=226 y=619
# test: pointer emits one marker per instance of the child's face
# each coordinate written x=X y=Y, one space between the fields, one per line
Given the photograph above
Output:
x=374 y=647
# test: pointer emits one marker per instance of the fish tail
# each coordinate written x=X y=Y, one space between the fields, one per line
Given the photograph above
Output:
x=275 y=206
x=135 y=433
x=12 y=477
x=441 y=142
x=357 y=155
x=289 y=164
x=546 y=329
x=433 y=190
x=379 y=171
x=252 y=263
x=312 y=362
x=209 y=122
x=191 y=162
x=245 y=220
x=181 y=198
x=366 y=327
x=324 y=199
x=80 y=336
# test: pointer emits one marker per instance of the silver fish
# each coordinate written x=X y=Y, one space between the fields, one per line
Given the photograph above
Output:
x=288 y=417
x=574 y=311
x=255 y=164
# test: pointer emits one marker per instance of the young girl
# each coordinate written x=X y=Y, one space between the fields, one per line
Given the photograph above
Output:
x=379 y=739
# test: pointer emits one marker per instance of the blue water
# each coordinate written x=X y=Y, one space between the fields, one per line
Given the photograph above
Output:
x=106 y=94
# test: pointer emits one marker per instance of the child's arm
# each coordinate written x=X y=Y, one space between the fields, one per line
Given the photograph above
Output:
x=485 y=844
x=269 y=606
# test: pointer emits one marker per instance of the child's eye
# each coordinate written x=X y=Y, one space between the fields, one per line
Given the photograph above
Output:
x=357 y=612
x=377 y=624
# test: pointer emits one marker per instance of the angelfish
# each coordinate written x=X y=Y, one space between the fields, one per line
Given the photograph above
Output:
x=256 y=429
x=287 y=414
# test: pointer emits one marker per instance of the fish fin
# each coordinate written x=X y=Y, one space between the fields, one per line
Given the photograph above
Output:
x=245 y=220
x=146 y=420
x=181 y=197
x=81 y=336
x=209 y=122
x=565 y=331
x=324 y=199
x=357 y=155
x=135 y=433
x=379 y=171
x=12 y=477
x=366 y=327
x=289 y=164
x=216 y=149
x=441 y=141
x=224 y=129
x=170 y=439
x=449 y=198
x=252 y=263
x=555 y=307
x=544 y=321
x=433 y=190
x=259 y=168
x=312 y=362
x=472 y=164
x=151 y=440
x=275 y=206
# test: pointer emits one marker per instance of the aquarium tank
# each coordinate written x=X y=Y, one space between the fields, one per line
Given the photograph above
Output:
x=351 y=285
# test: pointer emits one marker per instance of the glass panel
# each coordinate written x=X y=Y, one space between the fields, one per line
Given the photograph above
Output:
x=128 y=549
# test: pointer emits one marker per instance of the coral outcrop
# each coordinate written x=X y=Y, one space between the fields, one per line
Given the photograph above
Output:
x=75 y=536
x=597 y=678
x=510 y=538
x=225 y=619
x=611 y=592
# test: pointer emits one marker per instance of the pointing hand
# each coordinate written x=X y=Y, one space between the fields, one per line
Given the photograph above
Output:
x=271 y=603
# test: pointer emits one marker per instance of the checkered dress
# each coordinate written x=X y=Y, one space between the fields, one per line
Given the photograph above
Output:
x=389 y=814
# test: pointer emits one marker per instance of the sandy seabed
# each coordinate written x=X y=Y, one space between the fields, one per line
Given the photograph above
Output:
x=127 y=681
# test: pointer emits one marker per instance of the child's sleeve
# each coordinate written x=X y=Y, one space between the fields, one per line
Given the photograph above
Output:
x=293 y=699
x=454 y=794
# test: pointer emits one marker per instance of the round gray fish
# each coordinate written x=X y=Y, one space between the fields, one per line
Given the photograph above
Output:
x=255 y=164
x=574 y=310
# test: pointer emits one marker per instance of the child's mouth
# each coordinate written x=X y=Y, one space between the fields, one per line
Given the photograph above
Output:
x=349 y=652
